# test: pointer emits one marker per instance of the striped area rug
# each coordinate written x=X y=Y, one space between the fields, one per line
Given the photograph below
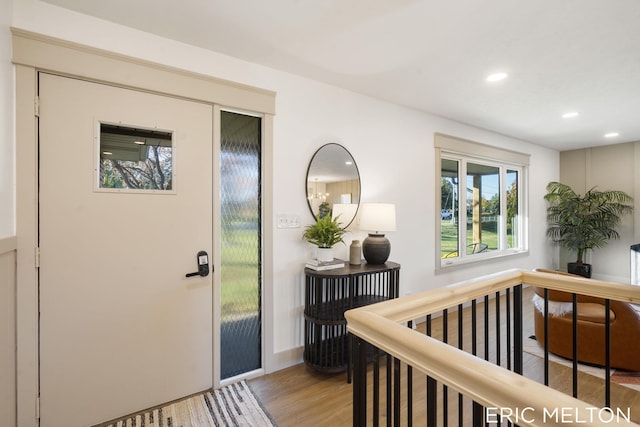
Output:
x=233 y=405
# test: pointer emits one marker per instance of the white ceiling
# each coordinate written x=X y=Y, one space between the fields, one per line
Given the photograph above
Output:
x=433 y=55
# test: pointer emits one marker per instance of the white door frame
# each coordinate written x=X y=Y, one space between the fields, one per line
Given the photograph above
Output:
x=33 y=53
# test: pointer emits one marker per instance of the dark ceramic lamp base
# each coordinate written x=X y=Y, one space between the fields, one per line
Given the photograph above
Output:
x=376 y=249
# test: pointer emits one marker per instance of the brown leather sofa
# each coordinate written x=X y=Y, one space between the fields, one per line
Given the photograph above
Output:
x=625 y=330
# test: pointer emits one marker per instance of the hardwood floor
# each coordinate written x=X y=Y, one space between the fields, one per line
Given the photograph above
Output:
x=298 y=396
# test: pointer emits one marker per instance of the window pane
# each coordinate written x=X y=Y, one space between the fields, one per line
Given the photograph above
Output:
x=240 y=257
x=481 y=205
x=512 y=209
x=133 y=158
x=449 y=209
x=483 y=208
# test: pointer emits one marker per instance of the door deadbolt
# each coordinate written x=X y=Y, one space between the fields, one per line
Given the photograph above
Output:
x=203 y=265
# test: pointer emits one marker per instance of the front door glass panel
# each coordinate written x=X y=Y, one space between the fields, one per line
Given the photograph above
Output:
x=240 y=293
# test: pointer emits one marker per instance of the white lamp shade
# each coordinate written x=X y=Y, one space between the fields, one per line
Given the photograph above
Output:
x=378 y=217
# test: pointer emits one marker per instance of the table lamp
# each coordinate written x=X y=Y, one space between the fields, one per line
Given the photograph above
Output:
x=377 y=218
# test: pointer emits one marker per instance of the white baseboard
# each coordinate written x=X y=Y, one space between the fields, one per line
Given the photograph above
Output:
x=285 y=359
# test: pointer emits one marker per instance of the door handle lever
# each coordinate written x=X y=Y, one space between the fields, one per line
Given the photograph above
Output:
x=196 y=273
x=203 y=265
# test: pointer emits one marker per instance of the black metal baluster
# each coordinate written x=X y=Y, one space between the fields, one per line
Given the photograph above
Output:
x=518 y=329
x=474 y=328
x=445 y=389
x=360 y=383
x=486 y=327
x=478 y=411
x=432 y=391
x=607 y=353
x=575 y=342
x=460 y=347
x=546 y=337
x=498 y=329
x=389 y=390
x=396 y=392
x=508 y=313
x=409 y=388
x=508 y=331
x=376 y=387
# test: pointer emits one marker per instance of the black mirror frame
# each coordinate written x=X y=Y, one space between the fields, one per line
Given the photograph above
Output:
x=355 y=165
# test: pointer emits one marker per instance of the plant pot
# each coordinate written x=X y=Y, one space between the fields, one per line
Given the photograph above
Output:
x=583 y=270
x=324 y=254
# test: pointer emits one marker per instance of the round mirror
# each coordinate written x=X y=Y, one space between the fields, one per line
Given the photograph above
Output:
x=333 y=184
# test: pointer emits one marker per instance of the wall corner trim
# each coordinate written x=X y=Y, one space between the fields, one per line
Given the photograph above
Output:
x=8 y=244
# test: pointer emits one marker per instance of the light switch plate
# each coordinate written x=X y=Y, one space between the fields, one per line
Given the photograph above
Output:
x=288 y=221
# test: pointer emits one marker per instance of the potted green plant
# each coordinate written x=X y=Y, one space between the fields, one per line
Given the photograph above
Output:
x=325 y=233
x=579 y=223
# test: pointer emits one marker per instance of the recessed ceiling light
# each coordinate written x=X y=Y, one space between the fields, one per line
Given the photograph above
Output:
x=570 y=115
x=611 y=134
x=139 y=142
x=496 y=77
x=107 y=153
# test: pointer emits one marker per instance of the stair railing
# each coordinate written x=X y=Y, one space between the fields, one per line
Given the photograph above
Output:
x=498 y=396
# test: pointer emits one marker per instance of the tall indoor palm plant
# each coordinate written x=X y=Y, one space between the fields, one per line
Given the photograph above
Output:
x=579 y=223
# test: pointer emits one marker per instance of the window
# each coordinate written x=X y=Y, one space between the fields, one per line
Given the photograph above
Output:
x=481 y=206
x=135 y=159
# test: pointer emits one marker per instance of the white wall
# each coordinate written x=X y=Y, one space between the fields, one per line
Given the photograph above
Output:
x=611 y=167
x=392 y=145
x=7 y=161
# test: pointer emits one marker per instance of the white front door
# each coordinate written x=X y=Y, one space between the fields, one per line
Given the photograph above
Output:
x=121 y=327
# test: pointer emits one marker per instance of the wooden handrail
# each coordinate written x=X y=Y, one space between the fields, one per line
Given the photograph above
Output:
x=487 y=384
x=583 y=286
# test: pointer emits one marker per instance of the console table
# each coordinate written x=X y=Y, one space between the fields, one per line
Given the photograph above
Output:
x=328 y=294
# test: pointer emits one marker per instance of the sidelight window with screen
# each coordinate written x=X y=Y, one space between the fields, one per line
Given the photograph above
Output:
x=135 y=159
x=481 y=209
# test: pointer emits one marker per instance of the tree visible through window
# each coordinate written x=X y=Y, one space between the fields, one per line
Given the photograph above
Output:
x=481 y=206
x=133 y=158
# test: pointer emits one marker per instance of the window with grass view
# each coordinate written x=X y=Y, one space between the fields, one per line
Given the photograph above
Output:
x=481 y=208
